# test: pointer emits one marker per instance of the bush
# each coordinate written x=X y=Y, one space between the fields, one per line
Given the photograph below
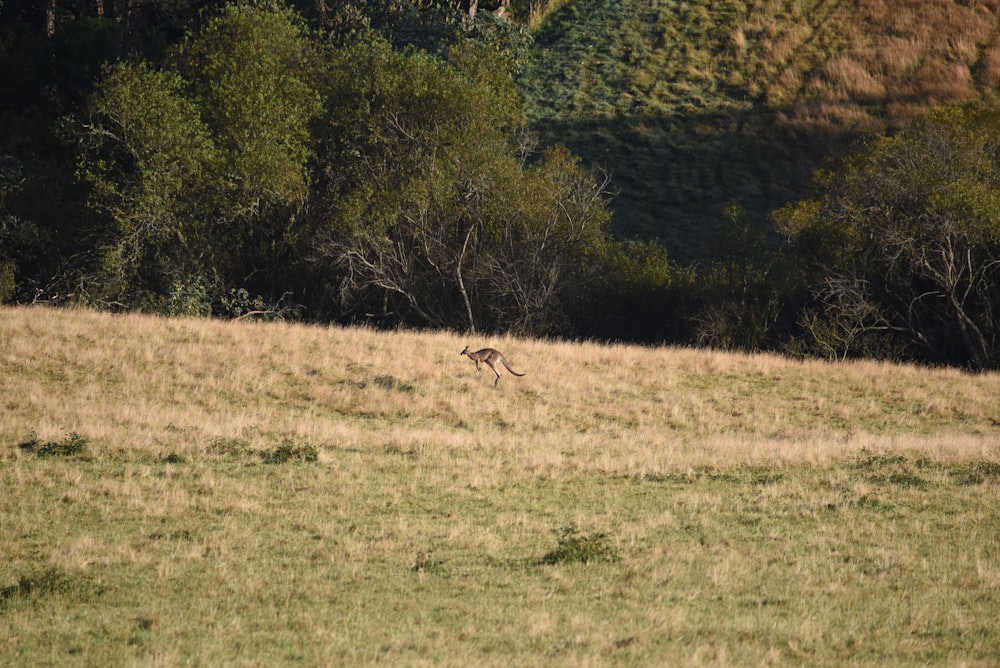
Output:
x=283 y=453
x=900 y=246
x=50 y=582
x=189 y=298
x=289 y=452
x=72 y=445
x=576 y=548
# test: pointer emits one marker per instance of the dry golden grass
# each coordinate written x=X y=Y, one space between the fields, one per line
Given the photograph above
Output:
x=756 y=510
x=893 y=57
x=160 y=386
x=853 y=79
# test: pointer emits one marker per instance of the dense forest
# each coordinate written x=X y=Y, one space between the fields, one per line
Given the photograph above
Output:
x=494 y=166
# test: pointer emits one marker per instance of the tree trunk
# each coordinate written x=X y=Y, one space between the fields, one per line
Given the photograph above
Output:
x=51 y=8
x=972 y=337
x=461 y=282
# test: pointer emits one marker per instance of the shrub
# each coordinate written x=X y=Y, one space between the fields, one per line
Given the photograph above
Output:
x=72 y=445
x=286 y=451
x=289 y=452
x=576 y=548
x=975 y=473
x=51 y=581
x=189 y=298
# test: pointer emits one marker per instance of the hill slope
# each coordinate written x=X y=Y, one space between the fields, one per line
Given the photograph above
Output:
x=138 y=382
x=188 y=491
x=693 y=106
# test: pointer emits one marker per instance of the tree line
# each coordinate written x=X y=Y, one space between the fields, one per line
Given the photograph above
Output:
x=369 y=161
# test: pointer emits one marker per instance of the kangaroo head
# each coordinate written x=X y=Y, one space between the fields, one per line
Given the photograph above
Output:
x=465 y=351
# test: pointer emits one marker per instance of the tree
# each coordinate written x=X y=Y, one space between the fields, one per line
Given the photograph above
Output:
x=202 y=165
x=251 y=72
x=908 y=231
x=433 y=216
x=20 y=240
x=151 y=162
x=551 y=246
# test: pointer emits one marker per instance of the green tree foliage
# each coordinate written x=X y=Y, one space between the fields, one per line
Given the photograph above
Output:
x=903 y=243
x=16 y=236
x=547 y=244
x=202 y=165
x=152 y=162
x=637 y=294
x=427 y=26
x=250 y=72
x=406 y=177
x=434 y=214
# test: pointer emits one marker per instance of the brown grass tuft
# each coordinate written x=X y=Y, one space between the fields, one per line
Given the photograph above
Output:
x=849 y=78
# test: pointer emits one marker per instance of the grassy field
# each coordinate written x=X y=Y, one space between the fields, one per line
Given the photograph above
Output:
x=692 y=106
x=233 y=493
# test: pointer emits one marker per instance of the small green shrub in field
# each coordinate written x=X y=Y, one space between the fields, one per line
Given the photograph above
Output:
x=229 y=447
x=289 y=452
x=873 y=462
x=574 y=547
x=390 y=382
x=286 y=451
x=72 y=445
x=905 y=479
x=51 y=581
x=975 y=473
x=892 y=468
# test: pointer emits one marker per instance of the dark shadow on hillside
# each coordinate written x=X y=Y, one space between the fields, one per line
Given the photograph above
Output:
x=675 y=176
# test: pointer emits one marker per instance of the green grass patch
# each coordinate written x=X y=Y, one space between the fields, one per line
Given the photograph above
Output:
x=385 y=560
x=50 y=582
x=976 y=473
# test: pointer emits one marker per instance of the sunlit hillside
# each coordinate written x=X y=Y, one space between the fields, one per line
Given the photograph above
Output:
x=156 y=386
x=198 y=492
x=694 y=106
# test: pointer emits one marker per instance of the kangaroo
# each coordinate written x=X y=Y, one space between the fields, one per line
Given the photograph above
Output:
x=490 y=356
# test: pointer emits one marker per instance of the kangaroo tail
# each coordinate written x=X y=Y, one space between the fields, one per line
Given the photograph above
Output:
x=504 y=360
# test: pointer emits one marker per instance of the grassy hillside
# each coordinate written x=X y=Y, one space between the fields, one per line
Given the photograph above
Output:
x=696 y=105
x=190 y=491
